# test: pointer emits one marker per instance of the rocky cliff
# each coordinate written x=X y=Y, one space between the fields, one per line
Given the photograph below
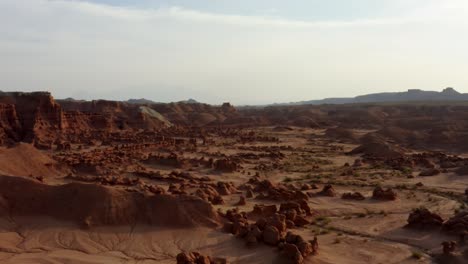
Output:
x=30 y=117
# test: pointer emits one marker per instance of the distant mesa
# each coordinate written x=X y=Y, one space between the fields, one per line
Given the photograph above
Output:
x=144 y=101
x=70 y=99
x=412 y=95
x=190 y=101
x=141 y=101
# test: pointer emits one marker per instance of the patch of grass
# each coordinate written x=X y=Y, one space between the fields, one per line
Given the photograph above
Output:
x=406 y=170
x=322 y=220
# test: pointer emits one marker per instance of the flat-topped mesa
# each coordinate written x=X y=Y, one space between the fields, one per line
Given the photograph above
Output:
x=95 y=106
x=39 y=116
x=16 y=94
x=111 y=116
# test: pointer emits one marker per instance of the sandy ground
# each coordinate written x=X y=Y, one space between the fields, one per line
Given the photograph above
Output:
x=43 y=240
x=25 y=160
x=354 y=231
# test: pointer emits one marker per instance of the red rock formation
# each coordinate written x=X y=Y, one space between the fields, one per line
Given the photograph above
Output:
x=10 y=126
x=328 y=190
x=241 y=202
x=292 y=253
x=32 y=116
x=458 y=224
x=422 y=218
x=100 y=205
x=280 y=192
x=271 y=235
x=429 y=172
x=448 y=247
x=197 y=258
x=263 y=210
x=381 y=194
x=226 y=165
x=209 y=193
x=353 y=196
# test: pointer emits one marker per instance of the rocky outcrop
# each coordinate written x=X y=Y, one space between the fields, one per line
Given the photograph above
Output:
x=10 y=127
x=31 y=117
x=429 y=172
x=458 y=224
x=226 y=165
x=272 y=229
x=277 y=192
x=448 y=247
x=384 y=195
x=197 y=258
x=353 y=196
x=376 y=148
x=271 y=235
x=422 y=218
x=327 y=190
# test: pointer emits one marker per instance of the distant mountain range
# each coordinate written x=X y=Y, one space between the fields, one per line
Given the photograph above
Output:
x=141 y=101
x=412 y=95
x=448 y=94
x=149 y=102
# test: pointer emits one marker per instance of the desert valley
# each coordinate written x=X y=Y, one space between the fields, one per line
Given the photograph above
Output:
x=142 y=182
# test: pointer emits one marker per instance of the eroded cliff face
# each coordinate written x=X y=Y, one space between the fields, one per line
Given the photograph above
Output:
x=9 y=124
x=37 y=118
x=109 y=116
x=31 y=117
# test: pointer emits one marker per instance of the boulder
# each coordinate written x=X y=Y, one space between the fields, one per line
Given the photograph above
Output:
x=271 y=235
x=429 y=172
x=384 y=195
x=353 y=196
x=292 y=253
x=327 y=190
x=422 y=218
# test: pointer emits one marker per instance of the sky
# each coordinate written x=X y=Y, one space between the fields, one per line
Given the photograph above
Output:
x=238 y=51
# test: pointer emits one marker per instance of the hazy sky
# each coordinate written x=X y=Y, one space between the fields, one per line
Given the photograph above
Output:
x=242 y=51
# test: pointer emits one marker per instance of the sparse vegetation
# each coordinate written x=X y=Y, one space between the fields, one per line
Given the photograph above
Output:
x=322 y=221
x=416 y=255
x=361 y=215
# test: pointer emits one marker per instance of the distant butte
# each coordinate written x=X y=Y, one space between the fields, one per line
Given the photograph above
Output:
x=412 y=95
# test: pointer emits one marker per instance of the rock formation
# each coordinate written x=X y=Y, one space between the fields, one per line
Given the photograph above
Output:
x=386 y=195
x=422 y=218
